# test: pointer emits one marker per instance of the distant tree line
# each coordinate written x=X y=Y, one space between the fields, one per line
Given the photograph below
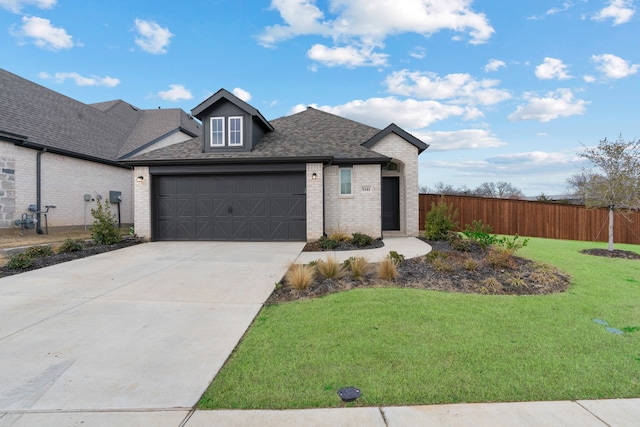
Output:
x=498 y=190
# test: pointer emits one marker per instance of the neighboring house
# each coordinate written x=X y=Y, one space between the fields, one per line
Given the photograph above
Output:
x=294 y=178
x=56 y=151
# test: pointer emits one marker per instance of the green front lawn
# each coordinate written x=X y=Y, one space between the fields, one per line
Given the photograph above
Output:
x=408 y=347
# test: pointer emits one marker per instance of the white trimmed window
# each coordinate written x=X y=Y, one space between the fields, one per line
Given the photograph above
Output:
x=217 y=132
x=345 y=181
x=235 y=131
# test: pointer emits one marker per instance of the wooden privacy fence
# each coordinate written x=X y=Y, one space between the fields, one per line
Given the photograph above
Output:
x=538 y=219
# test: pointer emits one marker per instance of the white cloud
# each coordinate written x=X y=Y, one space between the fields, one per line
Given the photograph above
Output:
x=588 y=78
x=465 y=139
x=349 y=56
x=552 y=68
x=620 y=11
x=556 y=104
x=152 y=37
x=44 y=34
x=366 y=23
x=408 y=114
x=242 y=94
x=175 y=93
x=613 y=66
x=418 y=52
x=494 y=65
x=458 y=87
x=16 y=6
x=81 y=80
x=565 y=6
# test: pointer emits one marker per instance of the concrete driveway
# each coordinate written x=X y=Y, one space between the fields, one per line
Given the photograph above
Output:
x=146 y=327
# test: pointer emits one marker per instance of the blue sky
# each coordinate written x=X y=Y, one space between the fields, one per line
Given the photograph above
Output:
x=502 y=91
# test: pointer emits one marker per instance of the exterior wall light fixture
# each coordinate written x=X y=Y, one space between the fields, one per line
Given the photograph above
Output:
x=314 y=175
x=140 y=178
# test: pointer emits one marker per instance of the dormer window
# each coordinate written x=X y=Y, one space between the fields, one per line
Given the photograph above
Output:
x=220 y=138
x=235 y=131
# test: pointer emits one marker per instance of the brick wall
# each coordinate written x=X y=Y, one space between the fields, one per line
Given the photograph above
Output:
x=358 y=212
x=315 y=188
x=142 y=197
x=406 y=156
x=64 y=182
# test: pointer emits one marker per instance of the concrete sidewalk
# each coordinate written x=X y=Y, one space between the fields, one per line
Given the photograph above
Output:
x=410 y=247
x=582 y=413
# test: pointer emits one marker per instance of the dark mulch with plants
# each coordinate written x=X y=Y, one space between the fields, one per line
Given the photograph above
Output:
x=446 y=270
x=343 y=246
x=89 y=249
x=616 y=253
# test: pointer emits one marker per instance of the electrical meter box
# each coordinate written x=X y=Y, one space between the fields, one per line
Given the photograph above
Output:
x=115 y=196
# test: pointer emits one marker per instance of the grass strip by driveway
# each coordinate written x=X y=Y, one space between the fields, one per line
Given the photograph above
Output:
x=408 y=347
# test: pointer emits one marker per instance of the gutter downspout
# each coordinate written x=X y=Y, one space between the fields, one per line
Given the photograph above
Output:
x=39 y=188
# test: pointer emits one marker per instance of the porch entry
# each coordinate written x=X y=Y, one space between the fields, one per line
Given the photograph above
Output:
x=390 y=203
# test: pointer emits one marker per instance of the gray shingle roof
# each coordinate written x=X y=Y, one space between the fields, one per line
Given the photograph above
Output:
x=100 y=131
x=310 y=134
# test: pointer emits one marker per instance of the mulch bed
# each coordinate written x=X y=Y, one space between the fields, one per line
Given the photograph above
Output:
x=464 y=272
x=342 y=246
x=616 y=253
x=46 y=261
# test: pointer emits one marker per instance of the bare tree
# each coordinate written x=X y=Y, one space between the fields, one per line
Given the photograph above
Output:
x=613 y=181
x=499 y=190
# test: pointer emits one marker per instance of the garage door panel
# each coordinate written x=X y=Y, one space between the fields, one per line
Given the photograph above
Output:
x=258 y=207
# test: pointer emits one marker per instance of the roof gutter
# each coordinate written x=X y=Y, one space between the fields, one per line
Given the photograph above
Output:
x=41 y=147
x=235 y=160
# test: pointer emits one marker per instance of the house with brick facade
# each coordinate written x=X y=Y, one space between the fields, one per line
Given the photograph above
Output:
x=57 y=155
x=297 y=177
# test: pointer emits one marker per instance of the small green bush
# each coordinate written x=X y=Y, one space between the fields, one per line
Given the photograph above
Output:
x=71 y=245
x=361 y=240
x=480 y=233
x=512 y=244
x=19 y=261
x=396 y=257
x=458 y=243
x=38 y=251
x=105 y=226
x=440 y=220
x=328 y=243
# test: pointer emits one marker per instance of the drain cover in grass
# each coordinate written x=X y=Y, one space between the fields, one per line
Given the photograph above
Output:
x=601 y=322
x=349 y=394
x=615 y=331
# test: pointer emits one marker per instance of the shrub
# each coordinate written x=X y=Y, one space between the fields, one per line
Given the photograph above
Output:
x=480 y=233
x=359 y=267
x=512 y=244
x=442 y=265
x=105 y=226
x=38 y=251
x=490 y=285
x=19 y=261
x=458 y=243
x=361 y=240
x=331 y=268
x=434 y=255
x=440 y=220
x=300 y=277
x=328 y=243
x=470 y=264
x=71 y=245
x=396 y=257
x=500 y=258
x=387 y=269
x=340 y=236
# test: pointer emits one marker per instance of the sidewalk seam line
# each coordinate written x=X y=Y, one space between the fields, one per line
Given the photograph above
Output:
x=384 y=417
x=592 y=414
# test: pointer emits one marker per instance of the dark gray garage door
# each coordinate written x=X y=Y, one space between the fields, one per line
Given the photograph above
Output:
x=260 y=207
